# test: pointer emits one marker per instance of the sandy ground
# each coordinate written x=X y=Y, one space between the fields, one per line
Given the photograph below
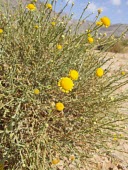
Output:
x=119 y=161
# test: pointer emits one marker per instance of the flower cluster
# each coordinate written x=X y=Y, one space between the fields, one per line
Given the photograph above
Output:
x=66 y=85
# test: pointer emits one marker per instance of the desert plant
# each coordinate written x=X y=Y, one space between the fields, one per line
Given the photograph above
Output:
x=56 y=100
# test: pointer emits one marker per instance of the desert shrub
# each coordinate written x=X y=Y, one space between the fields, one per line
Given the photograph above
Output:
x=41 y=124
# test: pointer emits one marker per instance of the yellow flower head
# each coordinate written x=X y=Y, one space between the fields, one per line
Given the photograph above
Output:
x=73 y=74
x=65 y=84
x=99 y=72
x=36 y=26
x=59 y=47
x=99 y=23
x=90 y=40
x=55 y=161
x=36 y=91
x=123 y=73
x=106 y=21
x=31 y=7
x=115 y=137
x=72 y=158
x=53 y=23
x=59 y=106
x=1 y=31
x=49 y=6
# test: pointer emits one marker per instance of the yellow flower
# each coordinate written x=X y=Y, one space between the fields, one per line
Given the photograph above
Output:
x=31 y=7
x=90 y=40
x=36 y=26
x=55 y=161
x=99 y=72
x=53 y=23
x=72 y=158
x=99 y=23
x=73 y=74
x=65 y=84
x=1 y=31
x=106 y=21
x=36 y=91
x=115 y=137
x=59 y=106
x=123 y=73
x=59 y=47
x=49 y=6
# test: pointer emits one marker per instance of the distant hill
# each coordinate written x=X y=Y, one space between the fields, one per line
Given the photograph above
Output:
x=117 y=29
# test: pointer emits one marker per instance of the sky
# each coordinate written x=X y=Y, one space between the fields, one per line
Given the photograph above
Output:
x=116 y=10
